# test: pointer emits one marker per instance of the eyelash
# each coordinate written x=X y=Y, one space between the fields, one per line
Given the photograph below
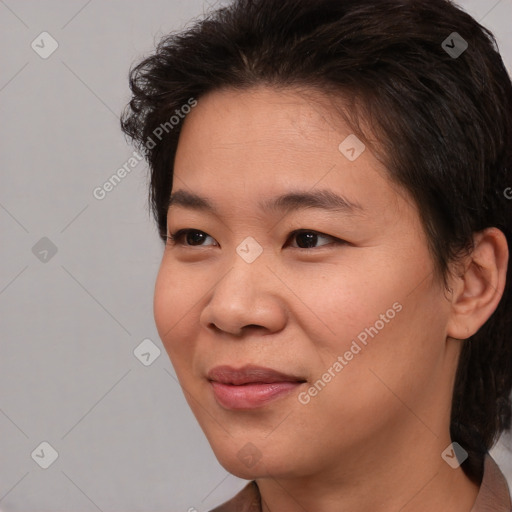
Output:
x=177 y=236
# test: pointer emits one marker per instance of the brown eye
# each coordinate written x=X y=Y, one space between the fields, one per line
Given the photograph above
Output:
x=309 y=238
x=193 y=237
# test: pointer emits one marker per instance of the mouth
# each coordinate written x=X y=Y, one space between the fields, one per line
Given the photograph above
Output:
x=251 y=386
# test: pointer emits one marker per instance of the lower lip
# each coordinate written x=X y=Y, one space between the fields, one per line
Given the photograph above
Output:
x=250 y=396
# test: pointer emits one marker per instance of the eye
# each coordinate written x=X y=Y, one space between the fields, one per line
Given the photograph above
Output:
x=309 y=237
x=194 y=237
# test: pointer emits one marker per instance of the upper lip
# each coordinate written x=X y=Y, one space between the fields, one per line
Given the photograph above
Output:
x=249 y=374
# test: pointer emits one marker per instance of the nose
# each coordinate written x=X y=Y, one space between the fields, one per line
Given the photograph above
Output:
x=247 y=297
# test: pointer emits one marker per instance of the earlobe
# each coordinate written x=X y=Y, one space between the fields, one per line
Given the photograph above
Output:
x=478 y=290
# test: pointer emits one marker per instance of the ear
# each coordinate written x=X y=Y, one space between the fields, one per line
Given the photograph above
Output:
x=477 y=291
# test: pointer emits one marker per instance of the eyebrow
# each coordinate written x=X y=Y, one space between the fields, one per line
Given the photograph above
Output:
x=323 y=199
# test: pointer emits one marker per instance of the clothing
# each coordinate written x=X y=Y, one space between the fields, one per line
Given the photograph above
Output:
x=493 y=496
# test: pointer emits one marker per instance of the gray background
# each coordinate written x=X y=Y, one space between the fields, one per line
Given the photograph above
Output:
x=70 y=321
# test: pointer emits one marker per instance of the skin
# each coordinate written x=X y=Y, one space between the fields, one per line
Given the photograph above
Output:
x=372 y=438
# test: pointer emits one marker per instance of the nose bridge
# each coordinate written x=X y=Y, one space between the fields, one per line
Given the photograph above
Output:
x=247 y=266
x=245 y=279
x=249 y=250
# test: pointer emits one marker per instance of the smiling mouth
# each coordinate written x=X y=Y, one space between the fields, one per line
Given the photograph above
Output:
x=251 y=386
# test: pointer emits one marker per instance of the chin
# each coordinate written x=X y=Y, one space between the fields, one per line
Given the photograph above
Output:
x=240 y=466
x=250 y=463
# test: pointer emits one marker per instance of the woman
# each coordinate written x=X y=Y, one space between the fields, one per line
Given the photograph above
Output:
x=330 y=182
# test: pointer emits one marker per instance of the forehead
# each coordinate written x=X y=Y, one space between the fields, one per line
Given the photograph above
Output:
x=263 y=116
x=260 y=145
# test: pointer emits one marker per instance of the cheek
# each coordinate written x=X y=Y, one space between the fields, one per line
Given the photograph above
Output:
x=344 y=301
x=391 y=359
x=173 y=307
x=381 y=315
x=163 y=304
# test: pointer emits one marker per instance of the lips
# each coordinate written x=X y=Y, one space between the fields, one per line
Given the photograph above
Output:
x=249 y=374
x=251 y=386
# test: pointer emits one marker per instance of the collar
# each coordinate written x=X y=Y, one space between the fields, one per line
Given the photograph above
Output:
x=494 y=494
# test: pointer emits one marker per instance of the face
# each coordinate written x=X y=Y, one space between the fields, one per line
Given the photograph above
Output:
x=342 y=301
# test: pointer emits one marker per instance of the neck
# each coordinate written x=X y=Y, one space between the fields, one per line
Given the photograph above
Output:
x=402 y=478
